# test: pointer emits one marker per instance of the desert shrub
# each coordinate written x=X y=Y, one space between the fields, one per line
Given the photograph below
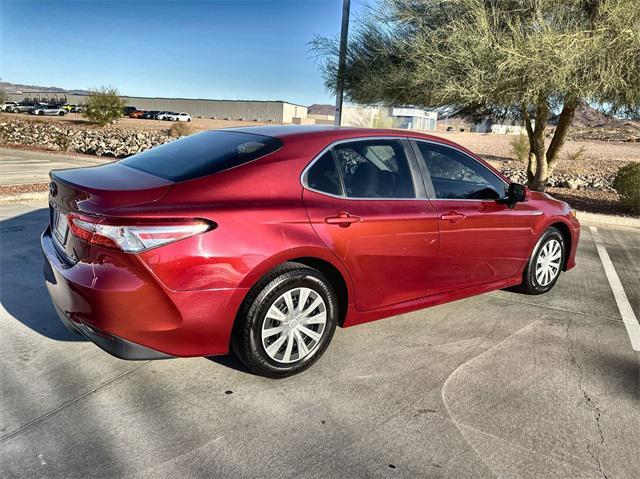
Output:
x=577 y=155
x=180 y=129
x=520 y=147
x=104 y=106
x=627 y=184
x=62 y=140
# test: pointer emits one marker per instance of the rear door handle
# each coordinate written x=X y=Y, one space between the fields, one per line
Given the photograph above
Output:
x=452 y=216
x=342 y=219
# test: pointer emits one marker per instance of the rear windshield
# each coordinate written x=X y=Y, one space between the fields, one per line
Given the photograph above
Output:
x=202 y=154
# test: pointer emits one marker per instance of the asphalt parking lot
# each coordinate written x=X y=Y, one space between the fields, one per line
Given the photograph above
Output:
x=500 y=385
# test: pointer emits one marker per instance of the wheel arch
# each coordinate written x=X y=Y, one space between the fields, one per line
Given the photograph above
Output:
x=566 y=236
x=317 y=258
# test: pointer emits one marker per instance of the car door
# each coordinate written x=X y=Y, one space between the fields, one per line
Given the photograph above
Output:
x=481 y=239
x=367 y=203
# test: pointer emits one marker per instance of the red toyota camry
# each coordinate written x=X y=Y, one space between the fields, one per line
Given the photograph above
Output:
x=263 y=239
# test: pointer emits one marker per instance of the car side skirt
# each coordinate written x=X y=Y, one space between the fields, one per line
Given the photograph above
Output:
x=355 y=317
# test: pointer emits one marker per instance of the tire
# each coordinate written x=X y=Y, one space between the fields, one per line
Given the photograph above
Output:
x=297 y=345
x=41 y=113
x=535 y=280
x=61 y=113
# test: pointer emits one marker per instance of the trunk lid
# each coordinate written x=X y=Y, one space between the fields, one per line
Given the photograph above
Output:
x=99 y=189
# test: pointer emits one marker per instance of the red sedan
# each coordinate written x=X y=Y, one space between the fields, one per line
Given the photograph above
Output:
x=263 y=239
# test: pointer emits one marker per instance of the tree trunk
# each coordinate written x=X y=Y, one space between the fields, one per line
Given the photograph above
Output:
x=537 y=169
x=543 y=161
x=560 y=135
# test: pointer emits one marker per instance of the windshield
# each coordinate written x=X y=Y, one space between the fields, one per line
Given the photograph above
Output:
x=202 y=154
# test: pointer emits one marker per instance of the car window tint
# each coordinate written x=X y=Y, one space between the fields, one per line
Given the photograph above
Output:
x=375 y=169
x=202 y=154
x=455 y=175
x=323 y=175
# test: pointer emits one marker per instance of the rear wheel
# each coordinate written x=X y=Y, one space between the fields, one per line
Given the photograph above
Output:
x=61 y=113
x=286 y=322
x=545 y=264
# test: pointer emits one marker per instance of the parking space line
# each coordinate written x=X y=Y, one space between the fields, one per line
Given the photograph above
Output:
x=626 y=311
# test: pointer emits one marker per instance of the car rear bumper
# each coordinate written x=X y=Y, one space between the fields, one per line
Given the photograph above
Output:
x=118 y=347
x=118 y=304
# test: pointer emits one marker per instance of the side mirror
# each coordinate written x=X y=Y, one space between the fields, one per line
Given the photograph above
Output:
x=515 y=194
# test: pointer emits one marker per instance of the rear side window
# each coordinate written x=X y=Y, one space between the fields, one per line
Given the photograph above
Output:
x=323 y=175
x=202 y=154
x=375 y=169
x=455 y=175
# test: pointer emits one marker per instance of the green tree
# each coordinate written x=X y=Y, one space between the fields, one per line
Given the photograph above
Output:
x=104 y=106
x=527 y=58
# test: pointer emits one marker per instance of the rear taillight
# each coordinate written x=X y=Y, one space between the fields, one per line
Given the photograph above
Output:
x=133 y=238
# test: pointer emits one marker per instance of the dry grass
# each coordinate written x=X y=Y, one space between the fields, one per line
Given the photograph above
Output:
x=180 y=129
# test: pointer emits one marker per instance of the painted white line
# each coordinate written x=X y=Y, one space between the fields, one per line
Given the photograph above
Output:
x=626 y=311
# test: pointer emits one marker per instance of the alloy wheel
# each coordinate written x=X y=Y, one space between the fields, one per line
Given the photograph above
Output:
x=293 y=325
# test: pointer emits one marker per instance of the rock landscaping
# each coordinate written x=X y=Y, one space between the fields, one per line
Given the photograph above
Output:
x=109 y=141
x=601 y=181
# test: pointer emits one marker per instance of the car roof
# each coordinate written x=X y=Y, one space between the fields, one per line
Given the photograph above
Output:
x=330 y=132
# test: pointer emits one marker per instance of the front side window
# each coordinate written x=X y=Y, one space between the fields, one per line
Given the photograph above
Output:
x=374 y=169
x=455 y=175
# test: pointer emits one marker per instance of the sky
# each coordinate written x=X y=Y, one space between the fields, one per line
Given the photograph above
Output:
x=257 y=50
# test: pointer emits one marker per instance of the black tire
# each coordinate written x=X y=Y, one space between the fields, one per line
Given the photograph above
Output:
x=41 y=113
x=530 y=284
x=61 y=113
x=247 y=340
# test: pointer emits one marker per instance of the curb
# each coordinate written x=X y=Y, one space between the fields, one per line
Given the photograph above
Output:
x=608 y=220
x=28 y=197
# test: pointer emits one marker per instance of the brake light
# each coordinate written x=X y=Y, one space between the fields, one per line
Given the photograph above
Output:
x=133 y=238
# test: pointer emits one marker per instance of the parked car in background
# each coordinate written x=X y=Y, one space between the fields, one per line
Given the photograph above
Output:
x=127 y=110
x=77 y=109
x=263 y=239
x=163 y=115
x=178 y=117
x=137 y=114
x=150 y=115
x=23 y=107
x=49 y=110
x=7 y=105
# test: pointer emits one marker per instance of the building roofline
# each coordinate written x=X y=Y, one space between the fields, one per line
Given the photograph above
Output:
x=158 y=97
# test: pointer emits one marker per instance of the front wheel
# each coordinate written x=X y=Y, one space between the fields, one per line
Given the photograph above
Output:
x=545 y=264
x=286 y=322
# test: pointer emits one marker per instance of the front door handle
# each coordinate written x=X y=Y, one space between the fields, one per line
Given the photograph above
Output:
x=342 y=219
x=452 y=216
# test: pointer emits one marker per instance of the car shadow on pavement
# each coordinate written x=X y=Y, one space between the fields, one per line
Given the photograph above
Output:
x=22 y=289
x=232 y=362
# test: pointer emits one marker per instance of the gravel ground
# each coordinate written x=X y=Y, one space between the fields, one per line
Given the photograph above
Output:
x=26 y=188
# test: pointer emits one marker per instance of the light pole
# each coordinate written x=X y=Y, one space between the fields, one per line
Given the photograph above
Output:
x=342 y=60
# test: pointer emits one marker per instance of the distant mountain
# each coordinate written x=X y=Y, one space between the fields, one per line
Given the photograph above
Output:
x=317 y=109
x=20 y=88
